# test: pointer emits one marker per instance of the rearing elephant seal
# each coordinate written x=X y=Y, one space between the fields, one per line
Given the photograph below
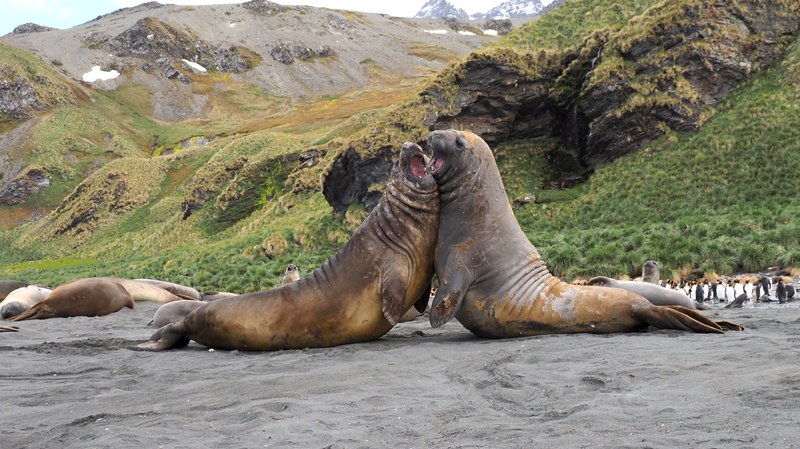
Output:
x=84 y=297
x=357 y=295
x=492 y=278
x=656 y=294
x=291 y=274
x=650 y=272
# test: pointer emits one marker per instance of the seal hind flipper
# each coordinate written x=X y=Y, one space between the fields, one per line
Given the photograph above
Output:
x=724 y=325
x=39 y=311
x=676 y=317
x=170 y=336
x=9 y=329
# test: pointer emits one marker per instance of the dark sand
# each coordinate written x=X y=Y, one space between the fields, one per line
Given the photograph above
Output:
x=77 y=382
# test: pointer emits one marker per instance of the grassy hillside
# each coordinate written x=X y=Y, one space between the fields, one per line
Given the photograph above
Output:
x=229 y=212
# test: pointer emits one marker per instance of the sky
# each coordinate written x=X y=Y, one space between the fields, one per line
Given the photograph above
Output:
x=69 y=13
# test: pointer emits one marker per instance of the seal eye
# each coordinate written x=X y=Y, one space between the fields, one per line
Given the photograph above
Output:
x=461 y=142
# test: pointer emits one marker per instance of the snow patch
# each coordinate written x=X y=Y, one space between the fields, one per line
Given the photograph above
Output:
x=195 y=66
x=436 y=31
x=490 y=32
x=97 y=74
x=466 y=33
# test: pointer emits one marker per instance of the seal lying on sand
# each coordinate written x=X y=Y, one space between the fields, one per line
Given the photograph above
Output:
x=22 y=299
x=181 y=291
x=357 y=295
x=174 y=311
x=493 y=279
x=213 y=296
x=656 y=294
x=84 y=297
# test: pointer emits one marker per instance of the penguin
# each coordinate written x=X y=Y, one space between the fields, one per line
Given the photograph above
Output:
x=780 y=291
x=790 y=292
x=698 y=293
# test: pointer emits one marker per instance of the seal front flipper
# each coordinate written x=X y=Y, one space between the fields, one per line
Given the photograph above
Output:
x=170 y=336
x=449 y=295
x=393 y=295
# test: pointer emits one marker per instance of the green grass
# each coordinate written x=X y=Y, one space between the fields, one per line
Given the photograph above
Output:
x=721 y=199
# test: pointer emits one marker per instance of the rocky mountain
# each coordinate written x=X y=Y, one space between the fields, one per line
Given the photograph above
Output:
x=511 y=9
x=174 y=63
x=441 y=9
x=287 y=51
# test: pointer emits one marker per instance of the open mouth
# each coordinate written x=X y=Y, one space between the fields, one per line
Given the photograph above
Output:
x=435 y=164
x=417 y=165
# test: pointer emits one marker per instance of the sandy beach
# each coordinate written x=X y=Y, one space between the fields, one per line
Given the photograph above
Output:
x=79 y=382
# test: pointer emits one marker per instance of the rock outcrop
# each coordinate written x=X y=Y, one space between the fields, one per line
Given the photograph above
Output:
x=31 y=28
x=609 y=96
x=286 y=53
x=17 y=98
x=25 y=184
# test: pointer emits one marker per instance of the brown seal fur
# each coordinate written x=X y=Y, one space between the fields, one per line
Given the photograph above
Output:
x=84 y=297
x=357 y=295
x=492 y=278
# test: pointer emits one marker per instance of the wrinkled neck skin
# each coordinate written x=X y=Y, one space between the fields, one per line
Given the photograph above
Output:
x=405 y=212
x=478 y=231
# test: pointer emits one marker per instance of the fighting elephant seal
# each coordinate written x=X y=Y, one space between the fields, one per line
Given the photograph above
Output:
x=83 y=297
x=651 y=273
x=492 y=279
x=22 y=299
x=357 y=295
x=656 y=294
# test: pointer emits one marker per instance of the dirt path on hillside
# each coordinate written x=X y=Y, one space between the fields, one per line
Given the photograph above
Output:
x=78 y=383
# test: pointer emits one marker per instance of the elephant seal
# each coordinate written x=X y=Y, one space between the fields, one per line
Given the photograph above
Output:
x=83 y=297
x=7 y=287
x=291 y=274
x=738 y=302
x=357 y=295
x=178 y=290
x=493 y=280
x=650 y=272
x=656 y=294
x=22 y=299
x=213 y=296
x=143 y=291
x=174 y=311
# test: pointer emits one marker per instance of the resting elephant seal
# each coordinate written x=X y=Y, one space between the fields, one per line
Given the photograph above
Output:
x=174 y=311
x=181 y=291
x=84 y=297
x=22 y=299
x=492 y=278
x=357 y=295
x=143 y=291
x=651 y=273
x=213 y=296
x=656 y=294
x=7 y=287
